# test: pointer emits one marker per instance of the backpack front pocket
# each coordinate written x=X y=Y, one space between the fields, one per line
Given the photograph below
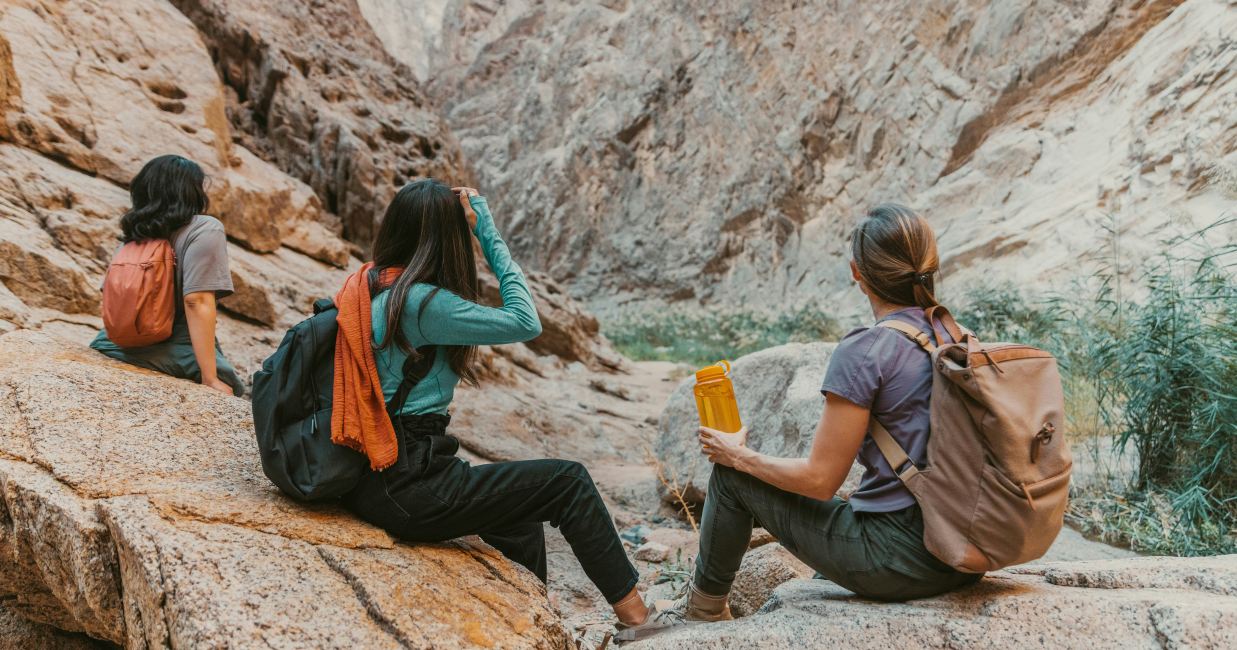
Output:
x=1035 y=508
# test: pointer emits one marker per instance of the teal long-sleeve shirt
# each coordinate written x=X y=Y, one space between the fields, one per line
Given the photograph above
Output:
x=450 y=320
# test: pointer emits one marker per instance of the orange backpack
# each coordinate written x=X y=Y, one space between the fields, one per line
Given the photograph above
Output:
x=996 y=484
x=139 y=293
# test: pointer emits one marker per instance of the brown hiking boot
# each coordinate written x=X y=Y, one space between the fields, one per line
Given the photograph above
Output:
x=692 y=607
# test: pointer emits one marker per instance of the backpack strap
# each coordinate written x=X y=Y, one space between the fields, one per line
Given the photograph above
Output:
x=947 y=319
x=913 y=334
x=890 y=449
x=415 y=370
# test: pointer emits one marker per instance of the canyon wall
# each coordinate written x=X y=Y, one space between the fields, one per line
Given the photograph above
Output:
x=720 y=152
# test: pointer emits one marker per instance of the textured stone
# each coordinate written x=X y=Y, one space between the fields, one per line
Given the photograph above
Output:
x=763 y=570
x=778 y=391
x=20 y=633
x=279 y=289
x=311 y=90
x=135 y=509
x=1142 y=604
x=144 y=85
x=721 y=151
x=652 y=552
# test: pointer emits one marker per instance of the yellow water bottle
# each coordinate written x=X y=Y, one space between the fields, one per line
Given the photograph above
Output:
x=715 y=400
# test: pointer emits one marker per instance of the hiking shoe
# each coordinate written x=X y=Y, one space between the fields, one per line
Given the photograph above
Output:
x=693 y=606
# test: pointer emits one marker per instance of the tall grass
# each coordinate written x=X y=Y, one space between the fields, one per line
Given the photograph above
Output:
x=1160 y=373
x=706 y=336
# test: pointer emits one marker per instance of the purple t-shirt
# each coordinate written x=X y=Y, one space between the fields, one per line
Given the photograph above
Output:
x=884 y=371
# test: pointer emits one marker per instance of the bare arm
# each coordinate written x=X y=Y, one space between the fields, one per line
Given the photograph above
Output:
x=200 y=312
x=838 y=438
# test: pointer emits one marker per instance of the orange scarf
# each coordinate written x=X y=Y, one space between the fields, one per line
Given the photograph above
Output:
x=359 y=417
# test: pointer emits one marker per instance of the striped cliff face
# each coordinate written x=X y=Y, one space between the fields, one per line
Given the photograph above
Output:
x=719 y=152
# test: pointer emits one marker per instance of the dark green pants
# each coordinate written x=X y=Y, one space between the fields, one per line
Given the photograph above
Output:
x=173 y=356
x=878 y=555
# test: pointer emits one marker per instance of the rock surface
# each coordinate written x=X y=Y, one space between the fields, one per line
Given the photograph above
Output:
x=778 y=391
x=135 y=510
x=105 y=87
x=764 y=569
x=1131 y=603
x=311 y=90
x=20 y=633
x=721 y=151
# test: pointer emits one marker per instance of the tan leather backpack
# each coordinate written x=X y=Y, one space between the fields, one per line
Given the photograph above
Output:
x=139 y=293
x=996 y=483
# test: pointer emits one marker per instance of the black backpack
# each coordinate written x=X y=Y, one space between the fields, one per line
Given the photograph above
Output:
x=292 y=397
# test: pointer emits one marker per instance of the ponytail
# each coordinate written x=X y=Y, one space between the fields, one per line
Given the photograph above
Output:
x=895 y=251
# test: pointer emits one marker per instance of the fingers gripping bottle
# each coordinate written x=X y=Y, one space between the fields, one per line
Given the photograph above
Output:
x=715 y=399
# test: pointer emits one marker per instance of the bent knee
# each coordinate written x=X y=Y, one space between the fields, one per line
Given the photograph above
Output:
x=573 y=469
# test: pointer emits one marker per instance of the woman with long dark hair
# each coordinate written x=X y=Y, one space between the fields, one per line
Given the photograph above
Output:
x=873 y=543
x=418 y=297
x=169 y=199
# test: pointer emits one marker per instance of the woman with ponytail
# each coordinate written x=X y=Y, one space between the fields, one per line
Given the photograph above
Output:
x=872 y=543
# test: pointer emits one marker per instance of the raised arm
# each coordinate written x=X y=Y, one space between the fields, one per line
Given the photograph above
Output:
x=839 y=435
x=450 y=320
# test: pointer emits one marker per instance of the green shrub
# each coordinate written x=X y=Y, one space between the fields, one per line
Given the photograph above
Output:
x=1160 y=373
x=705 y=336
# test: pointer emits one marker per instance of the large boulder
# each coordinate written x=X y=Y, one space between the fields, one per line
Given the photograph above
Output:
x=1130 y=603
x=780 y=403
x=135 y=510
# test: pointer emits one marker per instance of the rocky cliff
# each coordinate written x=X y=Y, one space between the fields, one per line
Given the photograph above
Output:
x=306 y=127
x=720 y=151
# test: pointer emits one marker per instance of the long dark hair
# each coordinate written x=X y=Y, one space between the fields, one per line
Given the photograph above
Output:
x=424 y=231
x=166 y=194
x=895 y=250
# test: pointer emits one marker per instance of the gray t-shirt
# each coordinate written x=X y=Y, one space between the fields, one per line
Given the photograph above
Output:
x=882 y=370
x=201 y=249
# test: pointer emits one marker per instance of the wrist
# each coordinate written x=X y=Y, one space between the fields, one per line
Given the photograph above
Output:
x=744 y=459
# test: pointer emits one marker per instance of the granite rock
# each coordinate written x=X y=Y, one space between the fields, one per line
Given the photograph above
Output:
x=1138 y=603
x=778 y=391
x=720 y=152
x=136 y=511
x=764 y=569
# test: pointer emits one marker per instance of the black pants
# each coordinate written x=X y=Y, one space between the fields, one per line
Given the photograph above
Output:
x=439 y=497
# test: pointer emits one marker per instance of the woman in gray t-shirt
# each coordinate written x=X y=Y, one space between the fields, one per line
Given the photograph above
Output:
x=873 y=543
x=169 y=198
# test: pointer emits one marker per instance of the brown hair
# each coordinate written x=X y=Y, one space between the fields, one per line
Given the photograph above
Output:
x=895 y=250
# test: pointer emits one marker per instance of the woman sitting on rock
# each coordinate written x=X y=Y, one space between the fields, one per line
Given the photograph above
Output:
x=418 y=297
x=872 y=544
x=169 y=197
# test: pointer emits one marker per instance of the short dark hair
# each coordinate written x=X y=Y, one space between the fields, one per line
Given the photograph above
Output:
x=166 y=195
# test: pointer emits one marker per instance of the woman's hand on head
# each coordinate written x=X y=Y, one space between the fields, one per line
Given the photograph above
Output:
x=471 y=215
x=723 y=448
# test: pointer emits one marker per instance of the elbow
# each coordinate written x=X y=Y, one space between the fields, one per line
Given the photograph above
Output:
x=532 y=329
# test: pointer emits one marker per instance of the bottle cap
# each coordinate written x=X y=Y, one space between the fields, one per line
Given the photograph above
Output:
x=713 y=373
